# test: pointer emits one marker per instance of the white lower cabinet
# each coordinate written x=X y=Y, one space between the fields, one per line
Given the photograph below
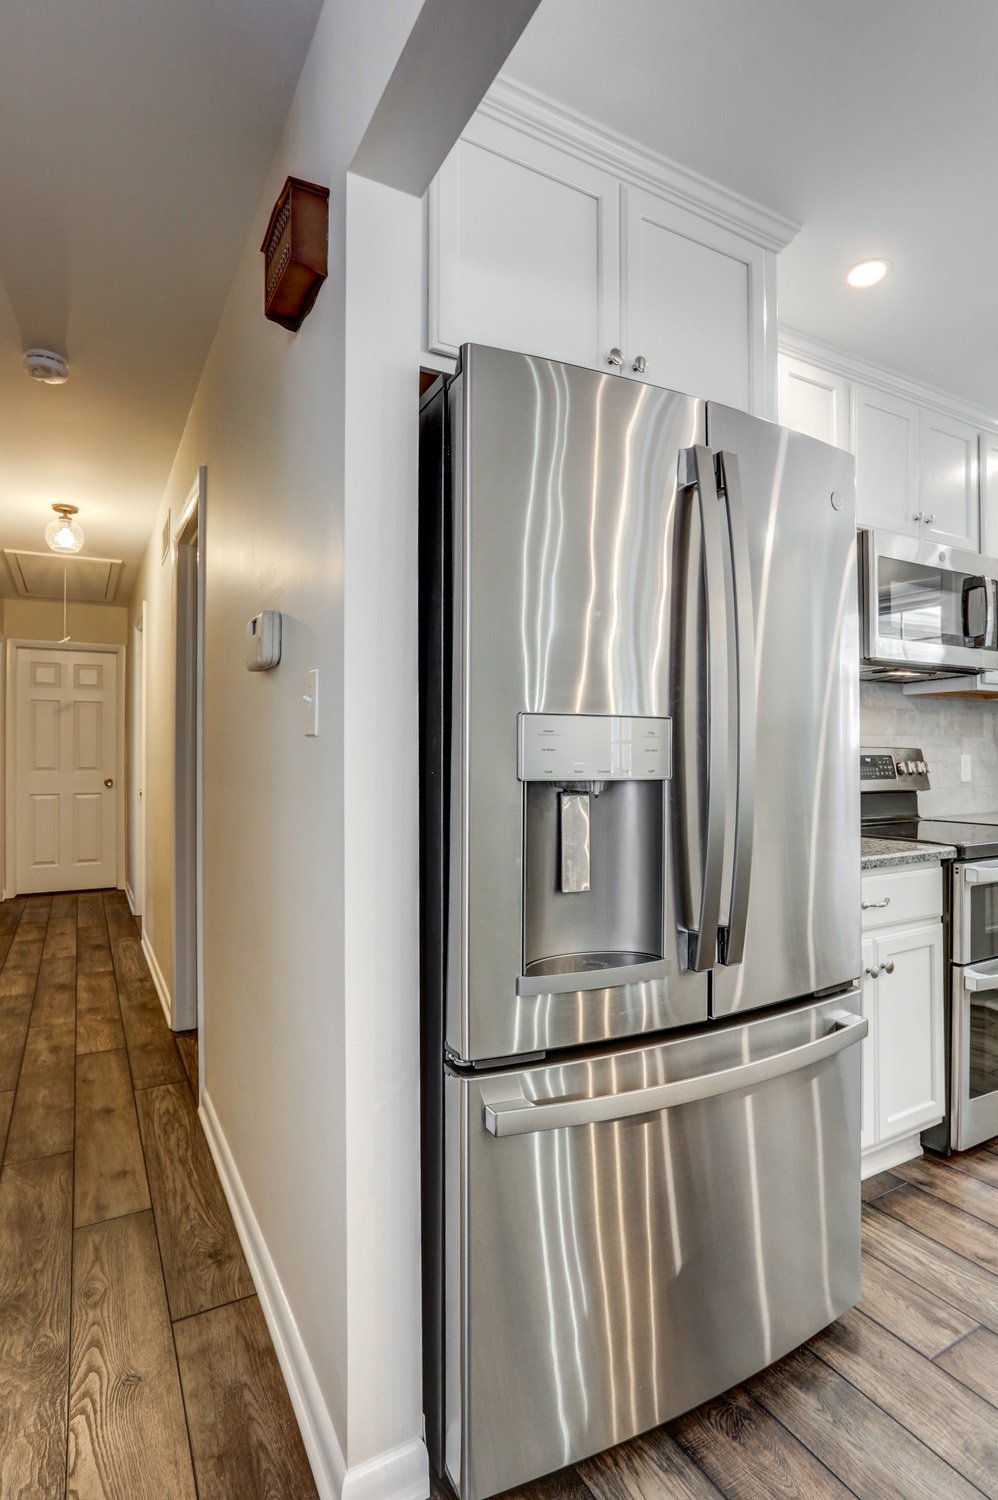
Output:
x=904 y=1084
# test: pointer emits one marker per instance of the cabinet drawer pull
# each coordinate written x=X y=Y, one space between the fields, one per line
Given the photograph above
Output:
x=873 y=972
x=870 y=905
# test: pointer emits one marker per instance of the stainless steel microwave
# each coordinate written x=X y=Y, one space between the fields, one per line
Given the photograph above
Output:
x=927 y=611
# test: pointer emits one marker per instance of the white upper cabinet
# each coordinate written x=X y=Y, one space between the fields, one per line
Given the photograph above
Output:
x=949 y=494
x=694 y=303
x=523 y=254
x=924 y=467
x=989 y=493
x=885 y=441
x=534 y=248
x=814 y=401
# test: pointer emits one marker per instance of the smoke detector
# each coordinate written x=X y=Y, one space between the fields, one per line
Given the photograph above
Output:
x=47 y=366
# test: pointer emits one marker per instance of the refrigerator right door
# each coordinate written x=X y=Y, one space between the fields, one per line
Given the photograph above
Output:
x=789 y=924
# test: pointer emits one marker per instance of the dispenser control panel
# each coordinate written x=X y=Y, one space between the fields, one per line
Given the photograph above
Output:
x=593 y=747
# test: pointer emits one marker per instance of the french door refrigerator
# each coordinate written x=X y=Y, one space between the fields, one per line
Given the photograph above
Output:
x=640 y=897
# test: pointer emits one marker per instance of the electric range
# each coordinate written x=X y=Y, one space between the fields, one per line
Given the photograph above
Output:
x=891 y=780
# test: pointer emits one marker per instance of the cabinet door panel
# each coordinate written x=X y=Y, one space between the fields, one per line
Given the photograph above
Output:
x=694 y=305
x=948 y=477
x=523 y=254
x=868 y=1052
x=909 y=1030
x=988 y=459
x=814 y=401
x=885 y=442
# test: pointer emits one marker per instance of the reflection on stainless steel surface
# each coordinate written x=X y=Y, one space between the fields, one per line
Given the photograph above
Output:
x=565 y=506
x=640 y=734
x=618 y=1273
x=801 y=934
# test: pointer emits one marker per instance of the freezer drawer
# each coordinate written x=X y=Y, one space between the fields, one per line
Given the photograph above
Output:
x=629 y=1234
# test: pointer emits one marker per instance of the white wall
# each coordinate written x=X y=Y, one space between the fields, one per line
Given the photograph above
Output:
x=310 y=447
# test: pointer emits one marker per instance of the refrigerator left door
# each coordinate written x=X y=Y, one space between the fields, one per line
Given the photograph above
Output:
x=631 y=1234
x=566 y=547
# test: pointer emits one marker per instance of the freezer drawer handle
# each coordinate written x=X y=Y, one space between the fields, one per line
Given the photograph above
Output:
x=518 y=1116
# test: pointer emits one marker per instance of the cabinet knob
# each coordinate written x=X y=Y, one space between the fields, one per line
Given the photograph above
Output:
x=929 y=520
x=615 y=358
x=640 y=365
x=889 y=967
x=873 y=972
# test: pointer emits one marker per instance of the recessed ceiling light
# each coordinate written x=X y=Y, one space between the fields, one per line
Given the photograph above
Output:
x=868 y=272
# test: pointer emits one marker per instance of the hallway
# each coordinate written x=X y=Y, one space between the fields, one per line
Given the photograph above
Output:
x=134 y=1357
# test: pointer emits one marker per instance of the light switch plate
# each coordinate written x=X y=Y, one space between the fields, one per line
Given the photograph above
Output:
x=312 y=702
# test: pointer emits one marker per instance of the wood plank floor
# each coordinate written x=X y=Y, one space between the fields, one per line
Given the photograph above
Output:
x=898 y=1400
x=134 y=1357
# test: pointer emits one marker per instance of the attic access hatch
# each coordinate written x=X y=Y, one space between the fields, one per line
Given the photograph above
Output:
x=89 y=580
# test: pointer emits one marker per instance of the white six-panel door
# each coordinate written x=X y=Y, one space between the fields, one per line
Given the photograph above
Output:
x=65 y=765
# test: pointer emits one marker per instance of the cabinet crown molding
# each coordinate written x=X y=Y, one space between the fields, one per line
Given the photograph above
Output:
x=535 y=114
x=852 y=367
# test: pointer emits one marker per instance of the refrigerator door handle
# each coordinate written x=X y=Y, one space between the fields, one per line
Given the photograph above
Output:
x=519 y=1115
x=696 y=471
x=732 y=938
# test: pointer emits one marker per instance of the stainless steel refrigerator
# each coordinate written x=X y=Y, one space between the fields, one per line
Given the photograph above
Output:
x=640 y=899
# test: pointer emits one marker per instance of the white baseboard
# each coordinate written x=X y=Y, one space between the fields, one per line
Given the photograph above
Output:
x=130 y=898
x=157 y=979
x=318 y=1432
x=400 y=1474
x=890 y=1154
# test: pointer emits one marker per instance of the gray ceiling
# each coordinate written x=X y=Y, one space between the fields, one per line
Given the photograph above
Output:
x=135 y=136
x=873 y=123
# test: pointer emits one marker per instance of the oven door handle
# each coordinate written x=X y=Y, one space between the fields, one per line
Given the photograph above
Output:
x=977 y=980
x=979 y=875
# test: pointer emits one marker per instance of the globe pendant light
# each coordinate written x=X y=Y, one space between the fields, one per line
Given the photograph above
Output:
x=64 y=534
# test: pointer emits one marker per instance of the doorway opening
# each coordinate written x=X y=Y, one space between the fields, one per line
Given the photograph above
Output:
x=188 y=1006
x=135 y=884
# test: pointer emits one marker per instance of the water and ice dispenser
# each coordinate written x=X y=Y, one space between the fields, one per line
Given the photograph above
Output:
x=594 y=845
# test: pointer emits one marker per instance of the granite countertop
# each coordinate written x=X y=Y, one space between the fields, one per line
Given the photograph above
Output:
x=879 y=854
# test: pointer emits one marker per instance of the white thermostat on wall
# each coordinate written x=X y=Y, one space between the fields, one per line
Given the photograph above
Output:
x=263 y=641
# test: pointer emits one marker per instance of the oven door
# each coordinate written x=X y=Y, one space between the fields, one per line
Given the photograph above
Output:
x=975 y=1054
x=927 y=608
x=975 y=912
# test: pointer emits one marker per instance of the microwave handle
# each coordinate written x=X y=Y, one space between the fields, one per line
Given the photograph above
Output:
x=970 y=586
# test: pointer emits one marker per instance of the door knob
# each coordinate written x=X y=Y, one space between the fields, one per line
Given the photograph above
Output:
x=109 y=781
x=615 y=358
x=889 y=967
x=640 y=365
x=874 y=973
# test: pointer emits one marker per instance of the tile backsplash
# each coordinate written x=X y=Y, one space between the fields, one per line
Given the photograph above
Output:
x=945 y=728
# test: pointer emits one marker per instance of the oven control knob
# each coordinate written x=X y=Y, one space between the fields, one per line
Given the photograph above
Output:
x=921 y=767
x=911 y=768
x=902 y=767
